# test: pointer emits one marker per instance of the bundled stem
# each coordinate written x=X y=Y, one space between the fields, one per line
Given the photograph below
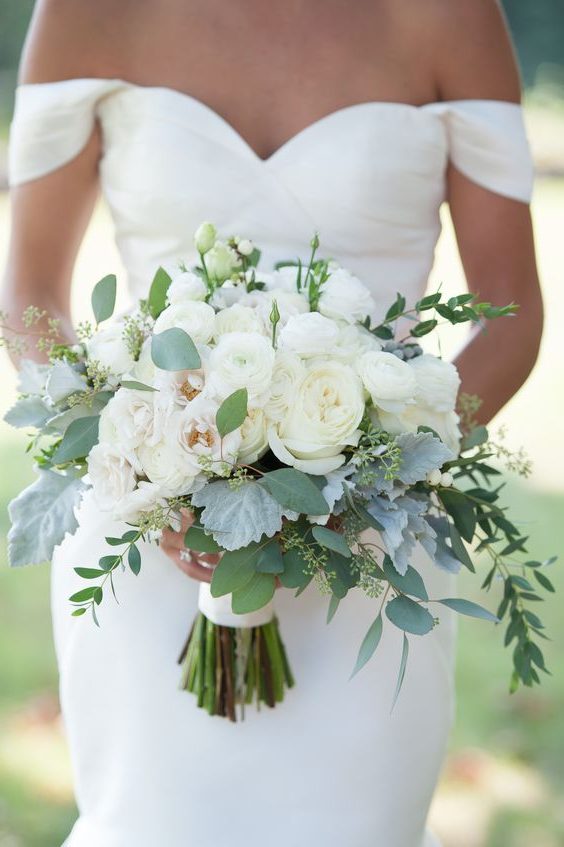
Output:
x=227 y=667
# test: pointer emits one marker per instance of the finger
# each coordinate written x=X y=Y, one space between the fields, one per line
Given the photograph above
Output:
x=192 y=568
x=172 y=540
x=187 y=519
x=209 y=558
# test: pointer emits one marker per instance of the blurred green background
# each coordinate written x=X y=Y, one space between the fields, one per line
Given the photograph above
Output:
x=503 y=784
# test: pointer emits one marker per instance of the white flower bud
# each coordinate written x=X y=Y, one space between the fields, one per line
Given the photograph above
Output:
x=447 y=479
x=245 y=247
x=204 y=237
x=434 y=477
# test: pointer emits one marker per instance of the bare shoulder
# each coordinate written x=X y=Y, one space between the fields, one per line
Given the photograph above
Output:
x=474 y=57
x=76 y=38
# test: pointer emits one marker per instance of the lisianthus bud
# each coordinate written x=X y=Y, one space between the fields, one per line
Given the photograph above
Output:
x=204 y=237
x=245 y=247
x=447 y=479
x=434 y=477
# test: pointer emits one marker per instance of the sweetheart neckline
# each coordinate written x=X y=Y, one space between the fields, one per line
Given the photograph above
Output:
x=289 y=142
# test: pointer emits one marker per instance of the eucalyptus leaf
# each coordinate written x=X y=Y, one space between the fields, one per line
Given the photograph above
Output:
x=410 y=582
x=467 y=607
x=461 y=510
x=197 y=539
x=174 y=350
x=333 y=606
x=369 y=644
x=254 y=594
x=296 y=491
x=41 y=516
x=402 y=667
x=295 y=573
x=270 y=559
x=234 y=570
x=408 y=615
x=232 y=412
x=78 y=440
x=104 y=298
x=134 y=385
x=332 y=540
x=158 y=292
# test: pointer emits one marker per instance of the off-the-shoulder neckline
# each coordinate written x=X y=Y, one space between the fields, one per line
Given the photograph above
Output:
x=435 y=107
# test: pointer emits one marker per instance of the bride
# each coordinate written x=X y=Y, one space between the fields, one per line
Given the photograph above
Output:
x=273 y=120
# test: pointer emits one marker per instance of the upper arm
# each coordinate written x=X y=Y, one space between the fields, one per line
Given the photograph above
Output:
x=493 y=231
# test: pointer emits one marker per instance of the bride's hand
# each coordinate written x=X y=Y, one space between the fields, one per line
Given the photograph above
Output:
x=197 y=565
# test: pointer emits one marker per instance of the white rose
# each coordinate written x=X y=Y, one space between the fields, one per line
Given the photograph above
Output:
x=146 y=497
x=161 y=465
x=131 y=418
x=309 y=335
x=194 y=317
x=344 y=297
x=221 y=261
x=108 y=347
x=237 y=318
x=437 y=382
x=288 y=373
x=112 y=476
x=323 y=419
x=193 y=435
x=241 y=360
x=353 y=341
x=389 y=381
x=254 y=437
x=186 y=286
x=178 y=387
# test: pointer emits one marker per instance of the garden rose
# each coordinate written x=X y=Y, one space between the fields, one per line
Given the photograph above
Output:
x=194 y=317
x=108 y=347
x=389 y=381
x=309 y=335
x=344 y=297
x=241 y=360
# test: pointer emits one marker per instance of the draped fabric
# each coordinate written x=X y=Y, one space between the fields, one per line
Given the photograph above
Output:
x=330 y=766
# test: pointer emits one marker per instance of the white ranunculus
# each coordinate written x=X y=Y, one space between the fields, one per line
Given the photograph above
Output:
x=186 y=286
x=286 y=278
x=389 y=381
x=146 y=497
x=112 y=476
x=309 y=335
x=238 y=318
x=241 y=360
x=413 y=416
x=108 y=347
x=194 y=317
x=193 y=436
x=344 y=297
x=254 y=437
x=288 y=373
x=437 y=382
x=289 y=303
x=221 y=261
x=228 y=294
x=353 y=341
x=323 y=419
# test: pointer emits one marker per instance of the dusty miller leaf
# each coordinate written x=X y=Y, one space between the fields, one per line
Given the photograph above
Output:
x=28 y=411
x=421 y=452
x=237 y=516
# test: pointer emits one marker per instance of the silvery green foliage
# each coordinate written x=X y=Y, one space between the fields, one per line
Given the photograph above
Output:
x=421 y=452
x=32 y=377
x=443 y=555
x=334 y=488
x=28 y=411
x=235 y=516
x=60 y=422
x=63 y=380
x=404 y=525
x=41 y=516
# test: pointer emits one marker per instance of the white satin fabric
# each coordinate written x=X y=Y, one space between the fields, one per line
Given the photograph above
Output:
x=331 y=765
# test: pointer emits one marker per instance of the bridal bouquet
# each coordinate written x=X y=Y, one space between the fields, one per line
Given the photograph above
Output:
x=309 y=442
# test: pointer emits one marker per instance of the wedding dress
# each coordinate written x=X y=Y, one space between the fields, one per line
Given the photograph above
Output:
x=331 y=765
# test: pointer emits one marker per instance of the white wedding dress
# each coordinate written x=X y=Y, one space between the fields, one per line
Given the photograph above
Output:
x=330 y=766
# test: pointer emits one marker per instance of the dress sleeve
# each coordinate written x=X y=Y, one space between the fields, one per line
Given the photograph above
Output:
x=488 y=144
x=52 y=123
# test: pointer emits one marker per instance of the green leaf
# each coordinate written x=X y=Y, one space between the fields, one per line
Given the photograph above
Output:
x=174 y=350
x=342 y=577
x=232 y=412
x=295 y=573
x=467 y=607
x=476 y=436
x=107 y=563
x=461 y=510
x=84 y=594
x=295 y=490
x=269 y=559
x=428 y=302
x=402 y=667
x=78 y=612
x=384 y=332
x=89 y=573
x=137 y=386
x=332 y=540
x=196 y=539
x=98 y=595
x=423 y=328
x=104 y=298
x=78 y=440
x=157 y=293
x=235 y=569
x=410 y=583
x=544 y=580
x=134 y=559
x=408 y=615
x=255 y=594
x=459 y=549
x=369 y=644
x=396 y=309
x=333 y=606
